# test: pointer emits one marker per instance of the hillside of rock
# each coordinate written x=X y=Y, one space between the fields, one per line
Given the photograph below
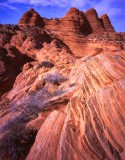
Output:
x=62 y=88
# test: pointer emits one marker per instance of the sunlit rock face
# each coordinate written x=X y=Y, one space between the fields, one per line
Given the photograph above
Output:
x=31 y=18
x=107 y=23
x=84 y=33
x=94 y=21
x=92 y=124
x=65 y=100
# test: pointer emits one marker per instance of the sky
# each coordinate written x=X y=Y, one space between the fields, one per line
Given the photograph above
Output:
x=12 y=10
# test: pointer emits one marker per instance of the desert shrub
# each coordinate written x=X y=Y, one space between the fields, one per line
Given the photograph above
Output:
x=55 y=78
x=33 y=110
x=20 y=119
x=17 y=142
x=59 y=92
x=72 y=84
x=117 y=56
x=46 y=64
x=32 y=103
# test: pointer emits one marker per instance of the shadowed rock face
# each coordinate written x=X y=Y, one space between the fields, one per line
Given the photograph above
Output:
x=11 y=59
x=63 y=87
x=94 y=21
x=11 y=62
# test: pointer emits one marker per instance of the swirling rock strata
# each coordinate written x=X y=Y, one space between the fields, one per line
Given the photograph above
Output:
x=71 y=95
x=92 y=125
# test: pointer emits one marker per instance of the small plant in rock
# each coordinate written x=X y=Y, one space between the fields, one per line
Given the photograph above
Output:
x=17 y=142
x=55 y=78
x=72 y=84
x=46 y=64
x=117 y=56
x=33 y=110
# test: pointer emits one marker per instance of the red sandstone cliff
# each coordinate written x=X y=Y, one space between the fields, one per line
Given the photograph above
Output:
x=107 y=23
x=62 y=84
x=94 y=21
x=31 y=18
x=74 y=20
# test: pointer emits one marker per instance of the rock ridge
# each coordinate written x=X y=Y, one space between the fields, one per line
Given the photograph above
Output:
x=74 y=21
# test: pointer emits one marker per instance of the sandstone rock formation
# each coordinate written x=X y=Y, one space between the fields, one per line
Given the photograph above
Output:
x=79 y=25
x=11 y=60
x=62 y=86
x=76 y=21
x=94 y=21
x=106 y=23
x=87 y=128
x=31 y=18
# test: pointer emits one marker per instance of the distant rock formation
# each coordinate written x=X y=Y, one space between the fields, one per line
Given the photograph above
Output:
x=72 y=29
x=74 y=21
x=94 y=21
x=31 y=18
x=107 y=23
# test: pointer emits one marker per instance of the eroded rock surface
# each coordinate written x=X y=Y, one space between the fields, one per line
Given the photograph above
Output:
x=65 y=100
x=106 y=23
x=11 y=59
x=31 y=18
x=92 y=124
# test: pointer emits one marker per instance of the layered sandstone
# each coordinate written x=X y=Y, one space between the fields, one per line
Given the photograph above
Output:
x=76 y=21
x=74 y=119
x=31 y=18
x=107 y=23
x=87 y=128
x=62 y=88
x=11 y=59
x=94 y=21
x=80 y=26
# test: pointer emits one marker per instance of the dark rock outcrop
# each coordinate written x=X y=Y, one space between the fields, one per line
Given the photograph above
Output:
x=11 y=63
